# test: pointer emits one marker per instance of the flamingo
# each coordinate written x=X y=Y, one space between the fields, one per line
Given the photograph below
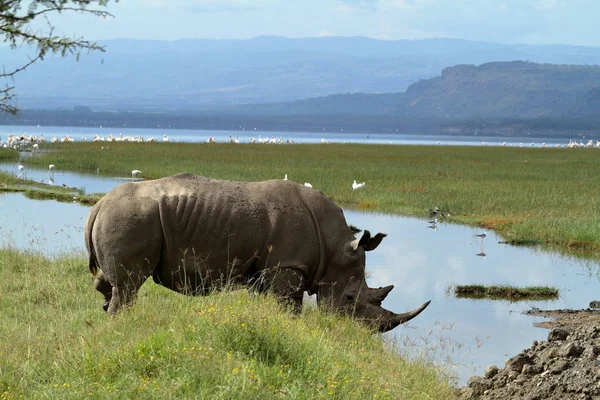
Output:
x=51 y=169
x=307 y=184
x=285 y=177
x=135 y=173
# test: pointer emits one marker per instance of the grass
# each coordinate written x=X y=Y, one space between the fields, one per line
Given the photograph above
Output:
x=58 y=343
x=528 y=195
x=8 y=154
x=506 y=292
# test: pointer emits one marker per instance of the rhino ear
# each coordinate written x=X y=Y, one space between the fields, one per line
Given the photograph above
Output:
x=356 y=243
x=367 y=242
x=374 y=242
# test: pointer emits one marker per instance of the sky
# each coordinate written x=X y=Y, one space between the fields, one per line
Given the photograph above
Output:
x=500 y=21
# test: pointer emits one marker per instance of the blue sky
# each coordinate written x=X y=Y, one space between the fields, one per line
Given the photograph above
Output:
x=503 y=21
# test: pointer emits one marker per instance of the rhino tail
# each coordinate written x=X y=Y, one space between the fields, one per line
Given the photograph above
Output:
x=93 y=265
x=89 y=224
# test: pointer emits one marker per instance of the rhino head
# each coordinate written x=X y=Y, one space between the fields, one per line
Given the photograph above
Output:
x=343 y=287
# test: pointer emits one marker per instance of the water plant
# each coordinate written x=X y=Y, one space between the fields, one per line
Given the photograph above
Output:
x=506 y=292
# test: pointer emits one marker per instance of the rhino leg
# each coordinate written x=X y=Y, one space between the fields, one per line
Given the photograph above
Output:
x=124 y=292
x=287 y=283
x=102 y=285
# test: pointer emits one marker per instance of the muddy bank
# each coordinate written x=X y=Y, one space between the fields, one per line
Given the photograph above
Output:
x=566 y=318
x=565 y=366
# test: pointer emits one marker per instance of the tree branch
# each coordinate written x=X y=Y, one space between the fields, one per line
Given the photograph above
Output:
x=15 y=29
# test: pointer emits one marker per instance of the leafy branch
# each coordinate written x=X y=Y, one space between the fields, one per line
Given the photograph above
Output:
x=16 y=29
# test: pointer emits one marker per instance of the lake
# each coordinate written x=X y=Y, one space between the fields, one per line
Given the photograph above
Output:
x=461 y=334
x=184 y=135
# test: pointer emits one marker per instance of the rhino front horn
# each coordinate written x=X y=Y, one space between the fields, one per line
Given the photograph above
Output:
x=398 y=319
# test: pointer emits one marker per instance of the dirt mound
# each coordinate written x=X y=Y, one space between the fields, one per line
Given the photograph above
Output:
x=566 y=366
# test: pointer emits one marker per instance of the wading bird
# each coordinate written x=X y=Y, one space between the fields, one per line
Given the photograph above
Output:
x=357 y=185
x=135 y=173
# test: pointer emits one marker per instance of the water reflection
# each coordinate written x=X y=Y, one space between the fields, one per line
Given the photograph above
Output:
x=423 y=264
x=46 y=226
x=463 y=334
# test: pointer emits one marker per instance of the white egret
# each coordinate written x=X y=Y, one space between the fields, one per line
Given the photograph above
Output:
x=357 y=185
x=135 y=173
x=307 y=184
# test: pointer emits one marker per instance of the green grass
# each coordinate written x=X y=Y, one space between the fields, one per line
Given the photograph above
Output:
x=8 y=155
x=506 y=292
x=58 y=343
x=529 y=195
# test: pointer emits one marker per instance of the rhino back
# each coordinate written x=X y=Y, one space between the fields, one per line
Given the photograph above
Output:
x=225 y=223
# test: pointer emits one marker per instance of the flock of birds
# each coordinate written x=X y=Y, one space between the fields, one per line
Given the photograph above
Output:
x=25 y=141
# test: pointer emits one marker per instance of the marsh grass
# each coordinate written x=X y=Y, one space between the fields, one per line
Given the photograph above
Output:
x=8 y=154
x=528 y=195
x=506 y=292
x=58 y=343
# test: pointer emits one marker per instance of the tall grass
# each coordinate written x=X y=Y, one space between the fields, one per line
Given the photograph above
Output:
x=529 y=195
x=8 y=154
x=58 y=343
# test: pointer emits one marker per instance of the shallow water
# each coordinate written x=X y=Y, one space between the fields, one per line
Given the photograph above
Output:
x=462 y=334
x=86 y=182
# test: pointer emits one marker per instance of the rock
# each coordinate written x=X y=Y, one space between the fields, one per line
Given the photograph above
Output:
x=565 y=367
x=559 y=367
x=570 y=350
x=478 y=385
x=591 y=351
x=548 y=354
x=558 y=334
x=491 y=371
x=595 y=304
x=532 y=369
x=517 y=362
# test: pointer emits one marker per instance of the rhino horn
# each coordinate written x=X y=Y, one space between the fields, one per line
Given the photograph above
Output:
x=398 y=319
x=378 y=295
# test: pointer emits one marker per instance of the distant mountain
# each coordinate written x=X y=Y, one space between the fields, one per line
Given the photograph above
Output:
x=499 y=98
x=493 y=90
x=196 y=75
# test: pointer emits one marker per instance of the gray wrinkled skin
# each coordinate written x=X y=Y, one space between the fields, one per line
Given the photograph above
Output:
x=194 y=235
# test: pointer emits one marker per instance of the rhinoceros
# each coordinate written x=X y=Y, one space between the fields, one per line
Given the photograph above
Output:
x=193 y=235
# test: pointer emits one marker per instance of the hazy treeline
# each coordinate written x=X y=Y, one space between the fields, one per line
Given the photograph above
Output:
x=328 y=124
